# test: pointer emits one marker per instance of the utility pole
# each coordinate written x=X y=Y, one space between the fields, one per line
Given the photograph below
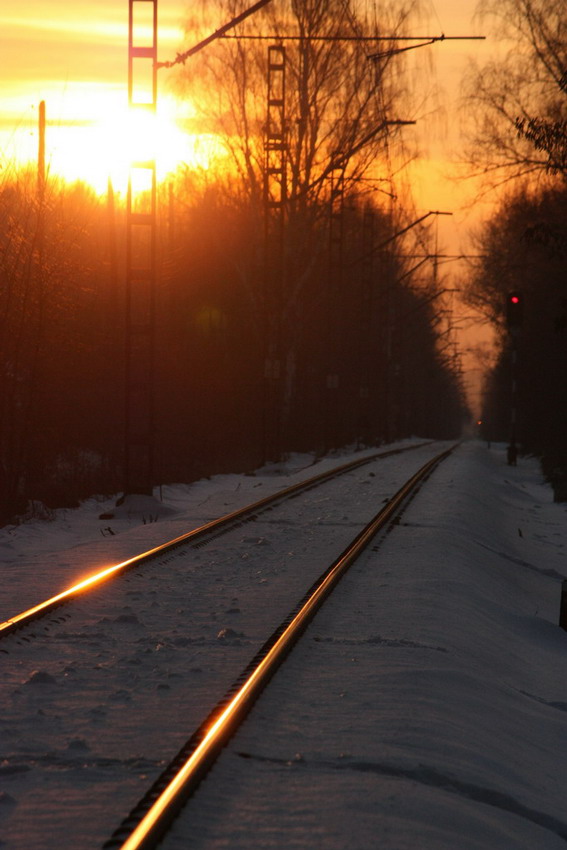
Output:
x=41 y=178
x=275 y=195
x=367 y=351
x=332 y=307
x=41 y=154
x=141 y=238
x=140 y=259
x=40 y=255
x=31 y=388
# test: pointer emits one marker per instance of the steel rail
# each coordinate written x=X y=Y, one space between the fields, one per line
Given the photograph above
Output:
x=219 y=525
x=149 y=821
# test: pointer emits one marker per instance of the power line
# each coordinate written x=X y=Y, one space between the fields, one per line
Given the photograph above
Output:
x=361 y=38
x=424 y=42
x=222 y=33
x=182 y=57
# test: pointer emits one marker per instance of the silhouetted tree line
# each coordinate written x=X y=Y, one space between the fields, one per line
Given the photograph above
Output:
x=361 y=355
x=60 y=347
x=519 y=106
x=525 y=248
x=264 y=344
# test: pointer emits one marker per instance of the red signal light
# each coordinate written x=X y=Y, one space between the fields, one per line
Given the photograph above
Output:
x=514 y=310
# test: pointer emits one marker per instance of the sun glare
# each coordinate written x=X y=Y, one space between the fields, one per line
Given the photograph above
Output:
x=100 y=139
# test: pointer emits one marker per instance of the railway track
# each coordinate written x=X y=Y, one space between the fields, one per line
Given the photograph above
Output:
x=143 y=647
x=150 y=820
x=197 y=536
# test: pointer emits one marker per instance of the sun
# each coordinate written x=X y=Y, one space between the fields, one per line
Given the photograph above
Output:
x=97 y=138
x=120 y=139
x=139 y=134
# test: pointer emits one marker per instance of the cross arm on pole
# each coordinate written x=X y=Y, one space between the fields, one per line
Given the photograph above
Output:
x=336 y=163
x=182 y=57
x=424 y=43
x=398 y=234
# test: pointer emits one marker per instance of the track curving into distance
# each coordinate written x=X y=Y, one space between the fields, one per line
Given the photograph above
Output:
x=150 y=819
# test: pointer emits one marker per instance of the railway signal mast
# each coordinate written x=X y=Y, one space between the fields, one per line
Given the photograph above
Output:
x=514 y=318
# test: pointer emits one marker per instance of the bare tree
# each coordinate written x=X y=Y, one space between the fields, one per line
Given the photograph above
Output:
x=517 y=103
x=339 y=105
x=343 y=112
x=340 y=109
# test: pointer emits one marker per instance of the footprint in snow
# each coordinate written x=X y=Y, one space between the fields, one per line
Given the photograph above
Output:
x=40 y=677
x=230 y=636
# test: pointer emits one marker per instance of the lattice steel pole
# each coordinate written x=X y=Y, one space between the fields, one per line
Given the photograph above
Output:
x=368 y=360
x=141 y=259
x=275 y=192
x=332 y=301
x=336 y=225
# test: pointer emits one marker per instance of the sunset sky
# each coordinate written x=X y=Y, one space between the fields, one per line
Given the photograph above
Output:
x=74 y=56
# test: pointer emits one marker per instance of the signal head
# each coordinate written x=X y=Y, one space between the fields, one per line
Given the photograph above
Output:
x=514 y=310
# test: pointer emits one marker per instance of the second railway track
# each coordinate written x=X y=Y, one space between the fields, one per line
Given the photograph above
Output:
x=198 y=536
x=104 y=695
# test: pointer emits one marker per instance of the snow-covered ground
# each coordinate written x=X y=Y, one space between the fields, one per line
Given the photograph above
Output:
x=427 y=706
x=40 y=558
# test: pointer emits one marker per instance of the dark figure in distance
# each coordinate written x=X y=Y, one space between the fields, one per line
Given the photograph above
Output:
x=512 y=454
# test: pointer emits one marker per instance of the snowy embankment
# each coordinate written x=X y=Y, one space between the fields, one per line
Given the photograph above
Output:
x=437 y=720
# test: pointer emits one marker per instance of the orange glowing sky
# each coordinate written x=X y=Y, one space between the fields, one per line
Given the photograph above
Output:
x=73 y=55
